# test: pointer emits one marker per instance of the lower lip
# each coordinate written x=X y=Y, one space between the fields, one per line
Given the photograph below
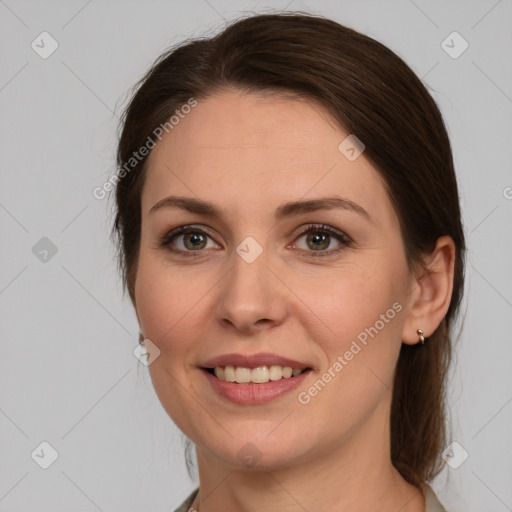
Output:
x=252 y=393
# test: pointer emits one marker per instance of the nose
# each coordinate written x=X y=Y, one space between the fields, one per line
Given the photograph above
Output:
x=253 y=297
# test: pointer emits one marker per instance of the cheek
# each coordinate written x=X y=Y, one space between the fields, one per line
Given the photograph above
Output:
x=356 y=317
x=157 y=298
x=170 y=301
x=169 y=305
x=352 y=299
x=357 y=322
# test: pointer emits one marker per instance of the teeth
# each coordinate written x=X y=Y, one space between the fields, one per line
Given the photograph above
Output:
x=242 y=375
x=258 y=375
x=229 y=374
x=276 y=372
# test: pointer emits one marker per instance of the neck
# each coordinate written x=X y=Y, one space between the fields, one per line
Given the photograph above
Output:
x=356 y=475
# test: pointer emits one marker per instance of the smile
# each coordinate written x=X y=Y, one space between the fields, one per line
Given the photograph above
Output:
x=258 y=375
x=270 y=382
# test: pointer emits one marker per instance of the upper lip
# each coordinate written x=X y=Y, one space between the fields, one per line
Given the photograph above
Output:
x=253 y=361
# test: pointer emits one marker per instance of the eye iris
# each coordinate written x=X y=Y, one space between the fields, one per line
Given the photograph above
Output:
x=194 y=237
x=319 y=238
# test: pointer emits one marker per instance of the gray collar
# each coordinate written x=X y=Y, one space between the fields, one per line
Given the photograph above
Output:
x=432 y=504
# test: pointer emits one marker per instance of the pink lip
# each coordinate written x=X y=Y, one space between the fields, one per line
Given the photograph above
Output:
x=253 y=393
x=252 y=361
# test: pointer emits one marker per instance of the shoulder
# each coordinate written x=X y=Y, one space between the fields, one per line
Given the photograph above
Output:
x=188 y=502
x=432 y=504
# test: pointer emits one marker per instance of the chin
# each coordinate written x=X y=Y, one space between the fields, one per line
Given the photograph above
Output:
x=256 y=447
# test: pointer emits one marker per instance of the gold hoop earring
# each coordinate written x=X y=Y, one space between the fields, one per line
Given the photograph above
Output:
x=422 y=338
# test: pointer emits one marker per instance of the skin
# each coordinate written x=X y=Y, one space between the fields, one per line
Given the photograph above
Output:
x=248 y=154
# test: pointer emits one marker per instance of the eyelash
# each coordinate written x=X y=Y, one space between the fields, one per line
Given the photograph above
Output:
x=345 y=240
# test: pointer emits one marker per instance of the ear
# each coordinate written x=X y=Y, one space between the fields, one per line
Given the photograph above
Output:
x=431 y=292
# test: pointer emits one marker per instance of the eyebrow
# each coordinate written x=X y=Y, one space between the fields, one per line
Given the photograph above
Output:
x=290 y=209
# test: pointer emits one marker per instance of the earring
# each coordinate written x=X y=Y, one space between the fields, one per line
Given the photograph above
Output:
x=422 y=338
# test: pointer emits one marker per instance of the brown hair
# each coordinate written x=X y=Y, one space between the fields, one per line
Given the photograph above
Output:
x=373 y=94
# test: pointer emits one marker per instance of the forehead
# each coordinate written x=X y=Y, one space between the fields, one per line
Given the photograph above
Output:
x=251 y=149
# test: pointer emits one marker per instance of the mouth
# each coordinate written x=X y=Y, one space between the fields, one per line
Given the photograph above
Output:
x=252 y=379
x=252 y=386
x=258 y=375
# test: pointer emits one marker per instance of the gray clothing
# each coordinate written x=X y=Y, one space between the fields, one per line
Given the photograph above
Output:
x=432 y=504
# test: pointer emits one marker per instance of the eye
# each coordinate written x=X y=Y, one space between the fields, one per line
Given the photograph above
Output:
x=319 y=238
x=193 y=239
x=190 y=239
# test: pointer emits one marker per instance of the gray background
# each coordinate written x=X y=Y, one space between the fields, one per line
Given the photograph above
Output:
x=68 y=374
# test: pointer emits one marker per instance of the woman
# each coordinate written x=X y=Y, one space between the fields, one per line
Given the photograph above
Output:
x=290 y=236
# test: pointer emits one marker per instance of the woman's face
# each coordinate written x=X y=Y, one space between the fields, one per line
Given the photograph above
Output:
x=250 y=283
